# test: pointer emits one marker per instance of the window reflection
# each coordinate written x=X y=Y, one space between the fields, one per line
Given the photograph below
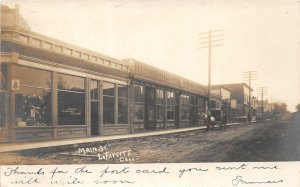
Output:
x=94 y=89
x=108 y=89
x=71 y=83
x=138 y=93
x=122 y=91
x=32 y=77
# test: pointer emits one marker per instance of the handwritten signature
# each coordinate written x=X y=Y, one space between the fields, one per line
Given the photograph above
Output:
x=240 y=180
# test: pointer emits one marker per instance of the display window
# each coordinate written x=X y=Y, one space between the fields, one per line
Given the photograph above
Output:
x=2 y=109
x=108 y=103
x=3 y=76
x=33 y=97
x=170 y=105
x=185 y=107
x=159 y=104
x=122 y=104
x=71 y=100
x=94 y=93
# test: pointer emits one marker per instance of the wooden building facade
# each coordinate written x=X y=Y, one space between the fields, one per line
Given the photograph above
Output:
x=52 y=90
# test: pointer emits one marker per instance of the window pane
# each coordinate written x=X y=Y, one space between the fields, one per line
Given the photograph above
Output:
x=3 y=77
x=138 y=112
x=108 y=89
x=69 y=82
x=32 y=76
x=122 y=91
x=139 y=93
x=108 y=110
x=123 y=111
x=2 y=109
x=170 y=112
x=33 y=107
x=185 y=113
x=159 y=96
x=71 y=108
x=94 y=89
x=160 y=112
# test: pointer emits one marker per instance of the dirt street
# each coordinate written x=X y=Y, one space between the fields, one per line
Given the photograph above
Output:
x=276 y=140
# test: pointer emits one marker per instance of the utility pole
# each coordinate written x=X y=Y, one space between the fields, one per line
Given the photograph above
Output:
x=249 y=76
x=209 y=40
x=262 y=91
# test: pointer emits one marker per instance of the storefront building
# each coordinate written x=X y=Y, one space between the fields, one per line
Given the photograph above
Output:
x=53 y=90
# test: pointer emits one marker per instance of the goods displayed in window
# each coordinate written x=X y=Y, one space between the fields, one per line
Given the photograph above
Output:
x=33 y=98
x=33 y=107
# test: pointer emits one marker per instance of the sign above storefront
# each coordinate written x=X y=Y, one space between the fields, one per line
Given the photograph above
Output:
x=15 y=84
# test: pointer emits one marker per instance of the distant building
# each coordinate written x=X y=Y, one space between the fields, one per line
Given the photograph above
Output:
x=240 y=93
x=225 y=101
x=263 y=109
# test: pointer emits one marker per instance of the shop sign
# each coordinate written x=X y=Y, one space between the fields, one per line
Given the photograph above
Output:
x=15 y=84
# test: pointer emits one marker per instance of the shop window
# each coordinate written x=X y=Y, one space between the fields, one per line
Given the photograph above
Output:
x=94 y=94
x=33 y=98
x=138 y=93
x=108 y=89
x=159 y=104
x=138 y=112
x=122 y=104
x=3 y=76
x=108 y=103
x=170 y=105
x=2 y=109
x=71 y=100
x=185 y=107
x=122 y=111
x=71 y=108
x=138 y=103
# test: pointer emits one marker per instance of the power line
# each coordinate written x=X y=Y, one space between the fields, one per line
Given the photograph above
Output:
x=262 y=91
x=209 y=40
x=249 y=76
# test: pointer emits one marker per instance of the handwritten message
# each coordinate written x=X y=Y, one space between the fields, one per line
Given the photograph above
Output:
x=210 y=174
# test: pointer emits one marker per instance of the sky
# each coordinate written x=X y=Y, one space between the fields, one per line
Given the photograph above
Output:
x=261 y=36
